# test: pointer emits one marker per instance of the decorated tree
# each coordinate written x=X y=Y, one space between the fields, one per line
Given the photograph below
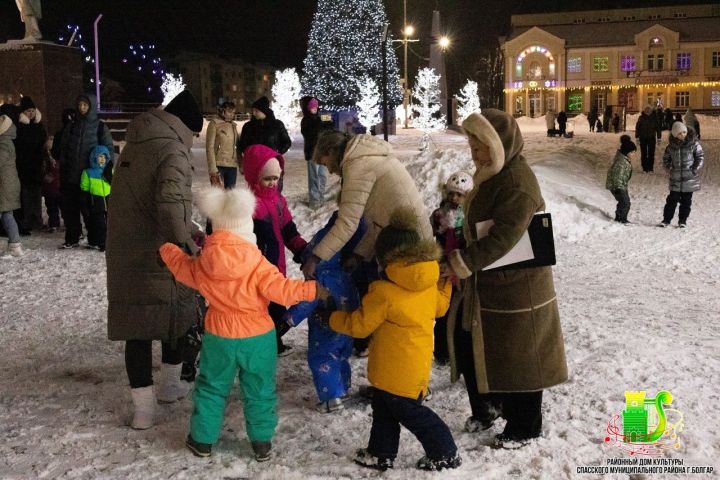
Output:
x=426 y=94
x=172 y=85
x=343 y=48
x=369 y=104
x=286 y=95
x=468 y=100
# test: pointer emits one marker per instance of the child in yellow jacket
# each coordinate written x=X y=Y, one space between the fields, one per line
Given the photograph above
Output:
x=238 y=282
x=400 y=314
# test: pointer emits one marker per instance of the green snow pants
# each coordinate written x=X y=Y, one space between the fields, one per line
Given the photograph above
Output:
x=254 y=360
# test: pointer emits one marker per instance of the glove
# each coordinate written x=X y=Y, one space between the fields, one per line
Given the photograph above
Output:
x=308 y=268
x=352 y=263
x=216 y=180
x=199 y=238
x=322 y=294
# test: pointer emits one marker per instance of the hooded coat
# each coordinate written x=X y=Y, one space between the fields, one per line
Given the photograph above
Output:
x=647 y=127
x=512 y=315
x=78 y=140
x=684 y=159
x=273 y=223
x=151 y=205
x=372 y=179
x=9 y=181
x=221 y=144
x=29 y=147
x=400 y=314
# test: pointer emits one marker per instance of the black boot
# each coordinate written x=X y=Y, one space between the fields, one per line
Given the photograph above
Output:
x=262 y=450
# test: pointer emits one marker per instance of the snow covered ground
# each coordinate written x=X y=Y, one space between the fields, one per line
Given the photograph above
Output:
x=639 y=309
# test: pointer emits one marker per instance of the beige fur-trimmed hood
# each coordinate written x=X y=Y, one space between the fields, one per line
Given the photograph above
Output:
x=500 y=132
x=26 y=121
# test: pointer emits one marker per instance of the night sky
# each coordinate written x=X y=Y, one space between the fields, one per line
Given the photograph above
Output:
x=276 y=31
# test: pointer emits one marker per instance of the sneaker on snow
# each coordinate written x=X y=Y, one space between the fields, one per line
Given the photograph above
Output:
x=362 y=353
x=682 y=225
x=367 y=459
x=664 y=224
x=428 y=395
x=15 y=249
x=92 y=247
x=432 y=465
x=510 y=441
x=199 y=449
x=332 y=405
x=261 y=450
x=67 y=245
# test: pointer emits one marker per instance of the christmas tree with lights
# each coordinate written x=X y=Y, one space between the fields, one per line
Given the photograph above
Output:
x=344 y=48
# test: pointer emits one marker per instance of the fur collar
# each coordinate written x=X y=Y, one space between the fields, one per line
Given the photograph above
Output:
x=26 y=121
x=424 y=251
x=5 y=124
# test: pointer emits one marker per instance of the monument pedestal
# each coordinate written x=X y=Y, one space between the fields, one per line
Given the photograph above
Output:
x=49 y=73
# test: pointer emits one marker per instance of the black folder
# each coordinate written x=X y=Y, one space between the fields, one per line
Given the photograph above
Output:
x=543 y=244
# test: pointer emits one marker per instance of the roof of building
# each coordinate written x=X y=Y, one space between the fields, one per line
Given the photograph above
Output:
x=623 y=33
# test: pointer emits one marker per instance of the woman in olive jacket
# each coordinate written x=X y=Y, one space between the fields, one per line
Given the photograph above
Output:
x=505 y=338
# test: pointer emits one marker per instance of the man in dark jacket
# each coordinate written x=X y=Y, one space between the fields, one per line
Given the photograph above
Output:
x=79 y=138
x=311 y=126
x=562 y=122
x=648 y=133
x=29 y=145
x=264 y=129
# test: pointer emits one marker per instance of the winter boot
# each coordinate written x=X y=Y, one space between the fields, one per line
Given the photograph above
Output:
x=332 y=405
x=15 y=249
x=437 y=464
x=262 y=450
x=171 y=387
x=197 y=448
x=144 y=402
x=367 y=459
x=473 y=425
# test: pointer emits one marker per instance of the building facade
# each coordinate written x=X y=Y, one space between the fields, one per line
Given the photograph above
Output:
x=626 y=58
x=213 y=80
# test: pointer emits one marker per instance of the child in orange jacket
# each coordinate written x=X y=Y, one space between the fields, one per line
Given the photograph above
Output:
x=238 y=282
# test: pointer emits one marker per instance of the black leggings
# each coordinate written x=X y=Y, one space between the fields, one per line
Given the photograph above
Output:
x=138 y=360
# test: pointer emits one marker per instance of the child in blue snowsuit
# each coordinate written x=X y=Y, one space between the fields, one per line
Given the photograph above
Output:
x=328 y=351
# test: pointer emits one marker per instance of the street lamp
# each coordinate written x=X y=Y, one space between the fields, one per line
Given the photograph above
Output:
x=408 y=31
x=444 y=42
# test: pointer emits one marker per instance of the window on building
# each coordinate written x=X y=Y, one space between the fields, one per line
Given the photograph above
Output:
x=627 y=63
x=682 y=99
x=535 y=71
x=575 y=64
x=600 y=64
x=656 y=42
x=575 y=102
x=680 y=15
x=604 y=19
x=683 y=61
x=716 y=59
x=715 y=98
x=654 y=17
x=655 y=61
x=629 y=18
x=579 y=20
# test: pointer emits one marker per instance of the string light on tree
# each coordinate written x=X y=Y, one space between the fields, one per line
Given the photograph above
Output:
x=286 y=96
x=72 y=37
x=343 y=48
x=143 y=60
x=172 y=85
x=368 y=106
x=426 y=94
x=468 y=100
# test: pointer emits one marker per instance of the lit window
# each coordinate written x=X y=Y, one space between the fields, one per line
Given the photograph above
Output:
x=683 y=61
x=682 y=99
x=627 y=63
x=600 y=64
x=575 y=102
x=716 y=59
x=575 y=64
x=579 y=20
x=715 y=98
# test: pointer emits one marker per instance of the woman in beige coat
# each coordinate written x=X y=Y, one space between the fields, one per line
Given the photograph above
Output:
x=374 y=183
x=505 y=338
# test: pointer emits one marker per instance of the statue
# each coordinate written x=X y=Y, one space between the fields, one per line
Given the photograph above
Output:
x=30 y=12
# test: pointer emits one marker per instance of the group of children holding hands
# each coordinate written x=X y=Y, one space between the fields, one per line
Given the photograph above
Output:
x=241 y=274
x=683 y=159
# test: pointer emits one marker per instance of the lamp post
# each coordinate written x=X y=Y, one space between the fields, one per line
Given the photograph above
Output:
x=97 y=61
x=408 y=31
x=383 y=46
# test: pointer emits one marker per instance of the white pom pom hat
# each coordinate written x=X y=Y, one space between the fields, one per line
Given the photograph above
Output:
x=229 y=210
x=460 y=182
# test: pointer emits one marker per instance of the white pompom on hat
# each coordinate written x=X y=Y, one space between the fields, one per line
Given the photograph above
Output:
x=460 y=182
x=229 y=210
x=678 y=128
